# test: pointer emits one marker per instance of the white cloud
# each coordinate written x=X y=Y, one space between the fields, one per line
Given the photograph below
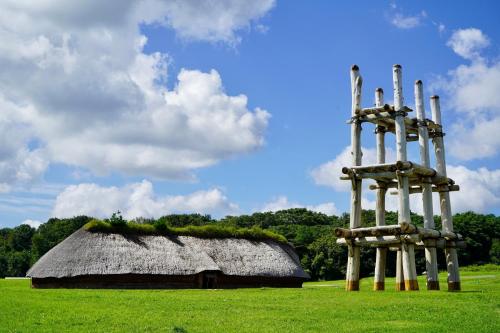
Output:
x=282 y=203
x=329 y=173
x=406 y=22
x=468 y=42
x=19 y=164
x=471 y=90
x=137 y=200
x=90 y=97
x=475 y=139
x=32 y=223
x=214 y=20
x=441 y=27
x=479 y=189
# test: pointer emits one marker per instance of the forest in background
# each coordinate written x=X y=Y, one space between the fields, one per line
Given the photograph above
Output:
x=309 y=232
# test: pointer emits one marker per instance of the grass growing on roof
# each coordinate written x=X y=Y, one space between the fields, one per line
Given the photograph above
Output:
x=206 y=231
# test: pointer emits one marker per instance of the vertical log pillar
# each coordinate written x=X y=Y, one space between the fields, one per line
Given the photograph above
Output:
x=353 y=261
x=380 y=263
x=444 y=201
x=407 y=249
x=423 y=140
x=400 y=281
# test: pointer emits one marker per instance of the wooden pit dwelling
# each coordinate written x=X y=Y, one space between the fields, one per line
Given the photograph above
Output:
x=110 y=260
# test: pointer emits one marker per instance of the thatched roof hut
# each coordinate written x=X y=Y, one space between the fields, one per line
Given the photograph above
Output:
x=109 y=260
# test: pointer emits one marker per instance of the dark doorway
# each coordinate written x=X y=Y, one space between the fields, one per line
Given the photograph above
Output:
x=209 y=281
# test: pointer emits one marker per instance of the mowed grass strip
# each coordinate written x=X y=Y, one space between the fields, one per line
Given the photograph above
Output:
x=318 y=307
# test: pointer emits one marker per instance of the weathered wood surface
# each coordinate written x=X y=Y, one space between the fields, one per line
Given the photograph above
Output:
x=376 y=110
x=384 y=230
x=395 y=229
x=392 y=167
x=440 y=243
x=444 y=200
x=353 y=261
x=389 y=172
x=408 y=255
x=431 y=266
x=381 y=256
x=379 y=240
x=418 y=189
x=400 y=282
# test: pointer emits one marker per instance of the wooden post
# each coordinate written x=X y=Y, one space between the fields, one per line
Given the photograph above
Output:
x=444 y=200
x=408 y=250
x=353 y=261
x=400 y=282
x=380 y=262
x=423 y=139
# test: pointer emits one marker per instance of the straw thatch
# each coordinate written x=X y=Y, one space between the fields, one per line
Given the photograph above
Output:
x=95 y=259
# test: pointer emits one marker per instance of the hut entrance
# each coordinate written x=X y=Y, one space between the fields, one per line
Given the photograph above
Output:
x=209 y=281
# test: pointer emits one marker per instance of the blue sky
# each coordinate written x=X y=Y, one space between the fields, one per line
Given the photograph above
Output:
x=155 y=107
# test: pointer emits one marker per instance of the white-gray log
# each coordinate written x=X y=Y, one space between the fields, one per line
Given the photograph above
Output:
x=380 y=240
x=437 y=243
x=442 y=243
x=408 y=255
x=400 y=282
x=418 y=189
x=444 y=200
x=384 y=230
x=381 y=256
x=376 y=110
x=416 y=168
x=431 y=264
x=380 y=109
x=353 y=261
x=395 y=229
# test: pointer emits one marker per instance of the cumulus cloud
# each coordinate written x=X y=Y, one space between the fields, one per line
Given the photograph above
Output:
x=471 y=90
x=282 y=203
x=20 y=164
x=137 y=200
x=479 y=189
x=329 y=173
x=32 y=223
x=91 y=97
x=468 y=42
x=215 y=20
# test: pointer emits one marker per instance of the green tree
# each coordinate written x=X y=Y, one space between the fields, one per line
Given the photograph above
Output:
x=19 y=238
x=52 y=232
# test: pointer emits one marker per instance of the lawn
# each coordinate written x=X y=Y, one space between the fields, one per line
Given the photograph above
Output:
x=318 y=307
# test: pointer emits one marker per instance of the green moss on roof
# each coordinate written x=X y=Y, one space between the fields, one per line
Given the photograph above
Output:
x=206 y=231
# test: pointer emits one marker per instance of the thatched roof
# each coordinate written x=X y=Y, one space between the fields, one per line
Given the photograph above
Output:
x=97 y=253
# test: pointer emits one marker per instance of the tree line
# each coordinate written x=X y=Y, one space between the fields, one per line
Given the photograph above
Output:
x=309 y=232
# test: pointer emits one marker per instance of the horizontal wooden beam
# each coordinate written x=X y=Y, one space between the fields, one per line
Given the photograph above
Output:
x=439 y=243
x=379 y=240
x=384 y=230
x=388 y=173
x=441 y=188
x=395 y=230
x=384 y=116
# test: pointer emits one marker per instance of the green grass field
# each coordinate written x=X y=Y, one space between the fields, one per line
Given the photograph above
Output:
x=318 y=307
